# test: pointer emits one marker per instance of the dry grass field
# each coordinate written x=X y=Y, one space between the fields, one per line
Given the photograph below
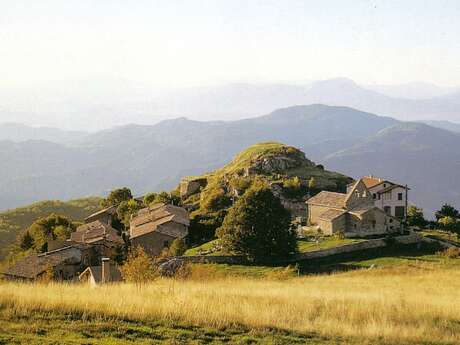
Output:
x=417 y=304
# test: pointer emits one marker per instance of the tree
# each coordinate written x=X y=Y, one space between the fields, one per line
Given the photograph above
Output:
x=138 y=267
x=126 y=209
x=312 y=183
x=415 y=217
x=26 y=241
x=149 y=198
x=258 y=225
x=52 y=227
x=117 y=196
x=447 y=211
x=450 y=224
x=177 y=248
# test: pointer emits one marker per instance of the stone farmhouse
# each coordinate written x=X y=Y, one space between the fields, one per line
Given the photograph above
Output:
x=389 y=196
x=156 y=227
x=353 y=213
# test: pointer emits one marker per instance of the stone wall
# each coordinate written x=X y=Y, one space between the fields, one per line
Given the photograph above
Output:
x=348 y=248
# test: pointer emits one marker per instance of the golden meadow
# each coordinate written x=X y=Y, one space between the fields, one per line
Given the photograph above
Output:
x=395 y=304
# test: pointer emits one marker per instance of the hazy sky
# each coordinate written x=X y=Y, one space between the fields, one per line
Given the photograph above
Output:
x=199 y=42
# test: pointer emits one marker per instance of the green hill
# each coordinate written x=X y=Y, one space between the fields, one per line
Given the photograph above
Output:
x=13 y=221
x=291 y=176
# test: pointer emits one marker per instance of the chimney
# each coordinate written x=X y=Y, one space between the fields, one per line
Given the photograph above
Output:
x=105 y=274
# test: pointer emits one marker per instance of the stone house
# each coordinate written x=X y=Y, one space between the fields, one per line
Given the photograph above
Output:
x=102 y=274
x=389 y=196
x=64 y=264
x=353 y=214
x=156 y=227
x=102 y=237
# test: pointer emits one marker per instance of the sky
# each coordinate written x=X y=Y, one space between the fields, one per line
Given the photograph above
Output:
x=179 y=43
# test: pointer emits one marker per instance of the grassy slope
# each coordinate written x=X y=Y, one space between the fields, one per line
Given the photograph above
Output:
x=13 y=221
x=39 y=328
x=393 y=303
x=303 y=245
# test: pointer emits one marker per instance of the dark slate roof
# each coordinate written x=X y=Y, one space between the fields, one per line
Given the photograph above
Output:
x=110 y=210
x=156 y=218
x=332 y=214
x=330 y=199
x=34 y=265
x=95 y=231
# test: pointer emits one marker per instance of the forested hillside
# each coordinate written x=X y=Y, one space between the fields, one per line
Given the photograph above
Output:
x=12 y=222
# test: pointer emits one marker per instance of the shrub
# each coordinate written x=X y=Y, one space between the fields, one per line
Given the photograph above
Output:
x=178 y=247
x=139 y=267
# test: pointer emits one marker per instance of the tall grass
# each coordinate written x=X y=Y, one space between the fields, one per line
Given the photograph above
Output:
x=394 y=304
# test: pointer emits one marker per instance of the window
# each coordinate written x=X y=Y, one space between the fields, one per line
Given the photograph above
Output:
x=384 y=185
x=374 y=196
x=374 y=223
x=400 y=211
x=387 y=196
x=387 y=209
x=391 y=220
x=400 y=196
x=165 y=244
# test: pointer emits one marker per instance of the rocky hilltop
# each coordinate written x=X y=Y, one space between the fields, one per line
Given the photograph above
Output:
x=291 y=176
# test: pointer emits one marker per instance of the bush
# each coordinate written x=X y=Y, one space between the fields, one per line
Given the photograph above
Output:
x=177 y=248
x=139 y=267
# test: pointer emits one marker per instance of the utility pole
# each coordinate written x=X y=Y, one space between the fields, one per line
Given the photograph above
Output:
x=405 y=208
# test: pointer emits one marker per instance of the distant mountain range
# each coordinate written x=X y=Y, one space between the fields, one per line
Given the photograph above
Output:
x=89 y=106
x=151 y=158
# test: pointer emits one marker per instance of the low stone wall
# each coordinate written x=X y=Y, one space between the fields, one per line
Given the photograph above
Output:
x=322 y=253
x=202 y=259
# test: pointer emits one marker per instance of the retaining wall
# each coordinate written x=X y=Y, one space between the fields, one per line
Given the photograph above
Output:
x=348 y=248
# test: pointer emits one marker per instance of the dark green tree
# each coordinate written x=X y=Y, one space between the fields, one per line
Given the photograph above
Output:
x=258 y=225
x=447 y=211
x=26 y=241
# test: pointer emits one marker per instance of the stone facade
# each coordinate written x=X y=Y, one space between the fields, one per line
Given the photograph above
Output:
x=353 y=214
x=388 y=196
x=155 y=227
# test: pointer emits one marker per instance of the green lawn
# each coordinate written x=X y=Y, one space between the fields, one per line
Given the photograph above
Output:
x=442 y=235
x=204 y=247
x=303 y=245
x=324 y=243
x=414 y=256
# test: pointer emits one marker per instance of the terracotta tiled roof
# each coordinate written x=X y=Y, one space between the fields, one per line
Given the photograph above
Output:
x=332 y=214
x=330 y=199
x=32 y=266
x=95 y=231
x=371 y=181
x=156 y=217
